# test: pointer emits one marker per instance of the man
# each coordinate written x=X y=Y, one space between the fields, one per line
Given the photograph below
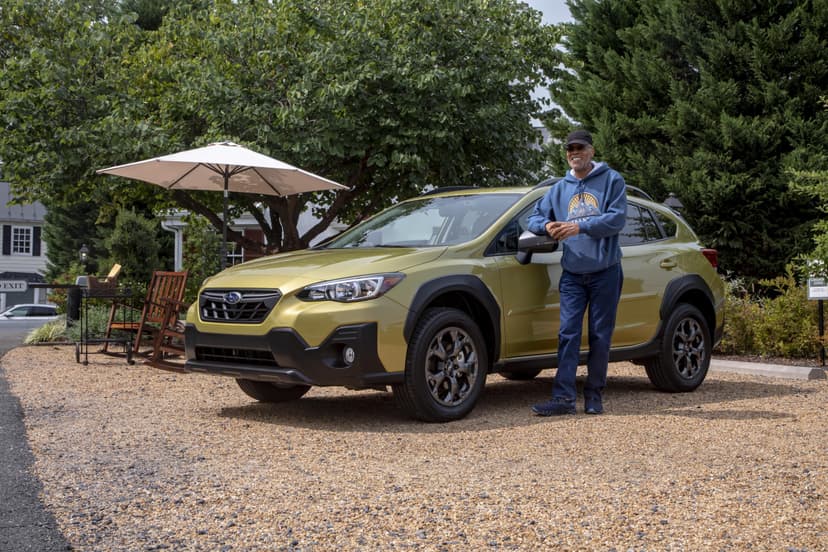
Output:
x=584 y=211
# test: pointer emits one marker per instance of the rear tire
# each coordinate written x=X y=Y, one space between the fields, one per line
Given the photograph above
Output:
x=265 y=391
x=686 y=347
x=445 y=368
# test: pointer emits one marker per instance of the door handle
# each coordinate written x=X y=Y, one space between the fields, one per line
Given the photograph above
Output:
x=667 y=263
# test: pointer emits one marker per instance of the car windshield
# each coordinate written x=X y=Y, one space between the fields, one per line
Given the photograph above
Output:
x=428 y=222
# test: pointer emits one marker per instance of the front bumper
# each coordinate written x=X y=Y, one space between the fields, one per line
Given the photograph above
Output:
x=282 y=356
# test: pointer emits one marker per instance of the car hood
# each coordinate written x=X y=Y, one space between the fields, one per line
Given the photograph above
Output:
x=297 y=269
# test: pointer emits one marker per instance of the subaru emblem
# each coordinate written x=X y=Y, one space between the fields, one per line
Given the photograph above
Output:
x=232 y=297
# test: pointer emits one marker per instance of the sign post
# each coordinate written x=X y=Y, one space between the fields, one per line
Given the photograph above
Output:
x=818 y=289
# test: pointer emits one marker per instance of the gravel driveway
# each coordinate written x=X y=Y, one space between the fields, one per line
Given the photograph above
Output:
x=133 y=458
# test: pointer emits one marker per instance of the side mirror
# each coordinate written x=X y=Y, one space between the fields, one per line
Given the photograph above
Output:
x=529 y=243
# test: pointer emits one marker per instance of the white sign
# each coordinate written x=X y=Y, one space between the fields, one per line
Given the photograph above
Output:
x=817 y=288
x=7 y=286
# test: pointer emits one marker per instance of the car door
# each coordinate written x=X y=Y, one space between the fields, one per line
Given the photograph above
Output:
x=648 y=262
x=529 y=294
x=530 y=299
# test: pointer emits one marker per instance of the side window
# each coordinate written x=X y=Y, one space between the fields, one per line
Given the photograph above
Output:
x=634 y=232
x=507 y=239
x=20 y=311
x=650 y=225
x=641 y=226
x=668 y=224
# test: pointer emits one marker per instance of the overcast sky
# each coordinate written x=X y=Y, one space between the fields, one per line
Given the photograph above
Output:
x=554 y=11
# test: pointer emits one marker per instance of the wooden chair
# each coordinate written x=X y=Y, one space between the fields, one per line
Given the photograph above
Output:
x=169 y=340
x=163 y=287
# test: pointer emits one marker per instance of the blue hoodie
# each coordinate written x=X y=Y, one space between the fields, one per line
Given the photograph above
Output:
x=598 y=203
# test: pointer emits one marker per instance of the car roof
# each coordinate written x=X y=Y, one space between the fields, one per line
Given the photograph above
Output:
x=448 y=191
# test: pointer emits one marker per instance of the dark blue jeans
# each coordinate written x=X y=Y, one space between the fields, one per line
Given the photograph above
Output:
x=600 y=291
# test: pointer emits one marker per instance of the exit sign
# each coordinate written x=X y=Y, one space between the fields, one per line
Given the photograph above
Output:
x=8 y=286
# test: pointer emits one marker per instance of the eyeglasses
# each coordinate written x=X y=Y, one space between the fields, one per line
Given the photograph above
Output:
x=575 y=147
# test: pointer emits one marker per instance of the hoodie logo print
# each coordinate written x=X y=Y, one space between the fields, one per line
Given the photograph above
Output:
x=582 y=206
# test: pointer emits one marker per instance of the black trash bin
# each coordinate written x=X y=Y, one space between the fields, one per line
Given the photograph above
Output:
x=73 y=303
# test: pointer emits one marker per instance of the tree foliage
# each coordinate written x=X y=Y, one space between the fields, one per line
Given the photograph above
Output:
x=54 y=88
x=386 y=96
x=134 y=245
x=202 y=247
x=813 y=184
x=713 y=100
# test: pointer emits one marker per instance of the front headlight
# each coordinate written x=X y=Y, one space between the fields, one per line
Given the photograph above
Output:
x=348 y=290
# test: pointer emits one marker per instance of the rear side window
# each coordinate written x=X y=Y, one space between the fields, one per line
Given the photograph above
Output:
x=634 y=232
x=641 y=226
x=668 y=224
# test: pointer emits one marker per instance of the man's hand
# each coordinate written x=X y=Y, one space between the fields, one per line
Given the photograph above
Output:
x=562 y=230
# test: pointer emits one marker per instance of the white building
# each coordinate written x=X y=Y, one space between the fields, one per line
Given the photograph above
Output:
x=22 y=251
x=245 y=224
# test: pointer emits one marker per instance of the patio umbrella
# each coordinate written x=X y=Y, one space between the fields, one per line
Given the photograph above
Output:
x=226 y=167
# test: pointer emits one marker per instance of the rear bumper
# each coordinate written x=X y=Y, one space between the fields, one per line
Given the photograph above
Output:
x=282 y=356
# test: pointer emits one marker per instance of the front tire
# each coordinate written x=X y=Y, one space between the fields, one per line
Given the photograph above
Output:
x=265 y=391
x=445 y=368
x=686 y=347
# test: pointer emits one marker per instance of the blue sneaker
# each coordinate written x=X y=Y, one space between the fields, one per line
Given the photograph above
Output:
x=593 y=406
x=554 y=407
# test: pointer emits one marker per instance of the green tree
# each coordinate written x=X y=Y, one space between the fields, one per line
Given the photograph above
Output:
x=54 y=90
x=148 y=13
x=813 y=185
x=386 y=96
x=202 y=246
x=713 y=100
x=134 y=245
x=67 y=227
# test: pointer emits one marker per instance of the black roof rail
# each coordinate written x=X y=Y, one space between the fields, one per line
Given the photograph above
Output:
x=546 y=182
x=635 y=191
x=448 y=189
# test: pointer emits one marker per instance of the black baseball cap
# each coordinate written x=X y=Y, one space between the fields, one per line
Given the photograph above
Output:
x=579 y=136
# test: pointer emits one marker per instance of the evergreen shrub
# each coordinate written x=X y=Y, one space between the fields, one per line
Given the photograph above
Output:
x=779 y=322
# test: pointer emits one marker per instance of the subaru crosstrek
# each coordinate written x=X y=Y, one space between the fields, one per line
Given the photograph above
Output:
x=431 y=295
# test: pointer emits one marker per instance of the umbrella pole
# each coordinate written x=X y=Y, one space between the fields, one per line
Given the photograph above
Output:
x=223 y=263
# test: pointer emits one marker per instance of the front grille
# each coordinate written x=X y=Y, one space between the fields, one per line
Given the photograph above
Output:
x=234 y=355
x=252 y=306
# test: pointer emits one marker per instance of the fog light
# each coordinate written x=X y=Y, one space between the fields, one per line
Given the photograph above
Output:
x=348 y=355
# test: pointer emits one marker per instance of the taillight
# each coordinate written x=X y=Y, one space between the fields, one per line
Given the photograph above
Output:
x=712 y=256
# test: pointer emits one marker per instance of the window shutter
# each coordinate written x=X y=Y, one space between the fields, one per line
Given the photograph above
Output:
x=6 y=239
x=36 y=241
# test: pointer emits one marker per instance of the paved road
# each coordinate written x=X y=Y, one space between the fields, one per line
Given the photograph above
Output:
x=25 y=525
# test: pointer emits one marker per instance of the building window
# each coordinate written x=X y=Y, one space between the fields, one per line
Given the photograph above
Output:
x=21 y=240
x=235 y=254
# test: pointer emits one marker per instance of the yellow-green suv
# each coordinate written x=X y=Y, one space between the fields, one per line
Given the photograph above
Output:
x=432 y=294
